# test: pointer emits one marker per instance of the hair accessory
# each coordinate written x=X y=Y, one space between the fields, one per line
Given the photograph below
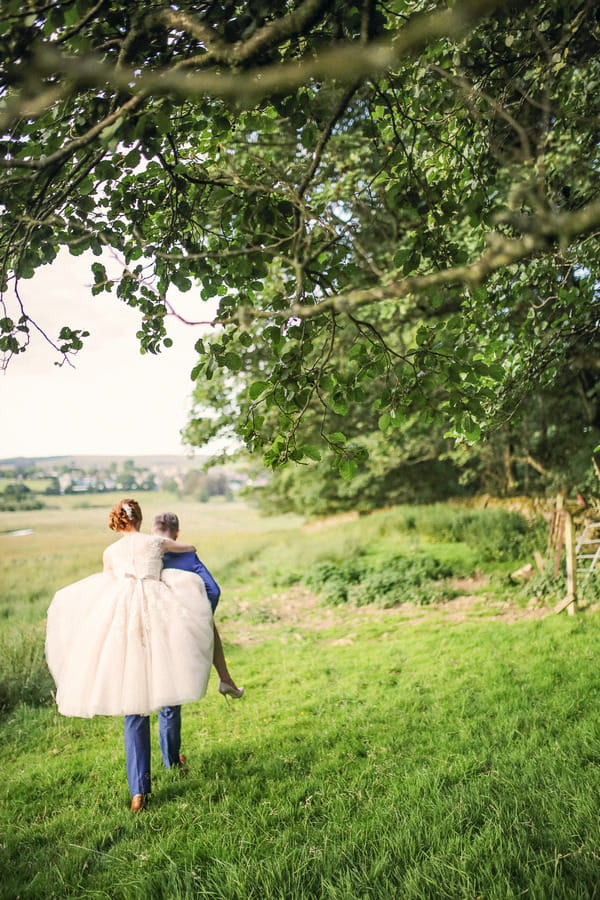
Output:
x=128 y=510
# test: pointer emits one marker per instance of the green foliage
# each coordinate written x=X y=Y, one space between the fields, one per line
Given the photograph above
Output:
x=386 y=580
x=588 y=589
x=547 y=586
x=414 y=575
x=400 y=540
x=498 y=534
x=389 y=579
x=551 y=588
x=495 y=533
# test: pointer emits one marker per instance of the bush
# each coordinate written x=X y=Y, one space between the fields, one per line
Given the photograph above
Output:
x=10 y=503
x=546 y=587
x=497 y=534
x=385 y=580
x=334 y=579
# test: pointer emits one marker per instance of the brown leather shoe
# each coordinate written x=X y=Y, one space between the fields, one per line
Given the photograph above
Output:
x=138 y=802
x=183 y=763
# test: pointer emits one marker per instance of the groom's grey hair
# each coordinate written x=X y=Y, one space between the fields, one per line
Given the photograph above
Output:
x=166 y=522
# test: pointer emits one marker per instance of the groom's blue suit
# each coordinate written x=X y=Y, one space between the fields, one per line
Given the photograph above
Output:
x=137 y=728
x=189 y=562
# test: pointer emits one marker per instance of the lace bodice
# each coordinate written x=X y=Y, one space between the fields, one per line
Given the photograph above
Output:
x=135 y=554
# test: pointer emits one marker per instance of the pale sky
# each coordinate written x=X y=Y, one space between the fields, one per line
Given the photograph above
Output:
x=115 y=401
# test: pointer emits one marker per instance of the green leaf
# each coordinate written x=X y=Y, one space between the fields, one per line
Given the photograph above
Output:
x=348 y=468
x=384 y=421
x=339 y=404
x=257 y=388
x=107 y=134
x=311 y=451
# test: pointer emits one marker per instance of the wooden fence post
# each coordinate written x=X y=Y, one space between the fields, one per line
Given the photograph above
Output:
x=571 y=561
x=570 y=601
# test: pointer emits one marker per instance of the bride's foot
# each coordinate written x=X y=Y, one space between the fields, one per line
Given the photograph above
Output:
x=138 y=802
x=230 y=690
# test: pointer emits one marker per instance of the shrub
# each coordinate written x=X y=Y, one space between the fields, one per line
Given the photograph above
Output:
x=10 y=503
x=384 y=580
x=546 y=587
x=497 y=534
x=334 y=579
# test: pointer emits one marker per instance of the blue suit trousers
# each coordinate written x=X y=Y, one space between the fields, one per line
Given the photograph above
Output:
x=137 y=746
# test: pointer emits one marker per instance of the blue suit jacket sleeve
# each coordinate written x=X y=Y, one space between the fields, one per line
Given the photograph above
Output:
x=189 y=562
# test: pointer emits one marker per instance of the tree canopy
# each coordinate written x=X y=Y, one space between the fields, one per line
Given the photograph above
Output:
x=396 y=204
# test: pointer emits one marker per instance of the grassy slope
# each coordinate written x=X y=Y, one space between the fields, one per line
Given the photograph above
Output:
x=376 y=755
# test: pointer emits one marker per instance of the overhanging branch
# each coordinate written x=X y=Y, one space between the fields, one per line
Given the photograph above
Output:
x=555 y=230
x=270 y=35
x=345 y=62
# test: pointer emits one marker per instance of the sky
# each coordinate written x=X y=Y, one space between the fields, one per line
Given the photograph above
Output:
x=115 y=401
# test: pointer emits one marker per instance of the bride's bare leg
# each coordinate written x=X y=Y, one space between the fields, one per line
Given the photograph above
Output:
x=219 y=660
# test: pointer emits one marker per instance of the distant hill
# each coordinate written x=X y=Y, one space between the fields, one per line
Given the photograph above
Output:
x=88 y=461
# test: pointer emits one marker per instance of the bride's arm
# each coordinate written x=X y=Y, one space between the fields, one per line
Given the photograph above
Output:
x=106 y=563
x=177 y=546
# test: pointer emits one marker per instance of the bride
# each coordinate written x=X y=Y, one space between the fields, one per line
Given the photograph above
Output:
x=133 y=638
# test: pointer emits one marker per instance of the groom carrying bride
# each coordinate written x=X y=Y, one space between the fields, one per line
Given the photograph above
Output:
x=136 y=638
x=137 y=727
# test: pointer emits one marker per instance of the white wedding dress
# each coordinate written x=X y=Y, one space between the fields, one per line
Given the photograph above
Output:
x=132 y=638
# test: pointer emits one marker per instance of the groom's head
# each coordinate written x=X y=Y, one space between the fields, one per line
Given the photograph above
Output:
x=166 y=523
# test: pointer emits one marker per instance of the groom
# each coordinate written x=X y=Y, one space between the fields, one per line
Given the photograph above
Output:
x=137 y=728
x=167 y=525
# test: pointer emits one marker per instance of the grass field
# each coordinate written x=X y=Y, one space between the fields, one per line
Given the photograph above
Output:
x=38 y=485
x=450 y=751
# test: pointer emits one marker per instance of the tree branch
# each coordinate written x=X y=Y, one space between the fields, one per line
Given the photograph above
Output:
x=556 y=229
x=346 y=62
x=268 y=36
x=82 y=141
x=324 y=137
x=532 y=462
x=75 y=29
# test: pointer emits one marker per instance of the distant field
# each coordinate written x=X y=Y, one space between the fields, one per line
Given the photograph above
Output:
x=36 y=485
x=84 y=517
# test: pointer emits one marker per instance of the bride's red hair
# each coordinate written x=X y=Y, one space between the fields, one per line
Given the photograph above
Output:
x=125 y=513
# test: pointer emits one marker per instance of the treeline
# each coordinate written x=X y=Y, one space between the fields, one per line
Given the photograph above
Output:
x=17 y=496
x=202 y=486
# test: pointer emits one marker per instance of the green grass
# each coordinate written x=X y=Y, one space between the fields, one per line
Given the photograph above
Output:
x=440 y=761
x=36 y=485
x=376 y=754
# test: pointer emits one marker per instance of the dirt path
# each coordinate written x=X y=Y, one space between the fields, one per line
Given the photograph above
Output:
x=297 y=609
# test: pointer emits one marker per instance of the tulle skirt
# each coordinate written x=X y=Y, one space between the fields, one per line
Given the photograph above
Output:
x=121 y=645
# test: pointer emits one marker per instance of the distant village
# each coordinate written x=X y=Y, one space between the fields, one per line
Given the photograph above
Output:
x=24 y=479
